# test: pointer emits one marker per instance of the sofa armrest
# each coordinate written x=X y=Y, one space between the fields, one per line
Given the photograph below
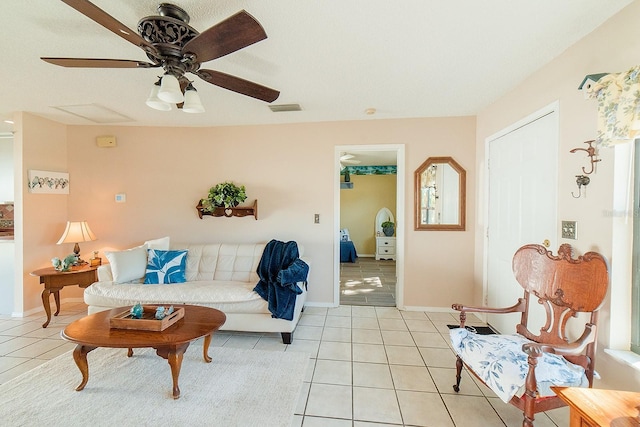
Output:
x=104 y=273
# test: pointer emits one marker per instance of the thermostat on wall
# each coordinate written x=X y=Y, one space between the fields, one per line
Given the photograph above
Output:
x=121 y=198
x=106 y=141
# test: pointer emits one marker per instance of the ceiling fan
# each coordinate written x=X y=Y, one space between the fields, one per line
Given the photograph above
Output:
x=347 y=159
x=171 y=44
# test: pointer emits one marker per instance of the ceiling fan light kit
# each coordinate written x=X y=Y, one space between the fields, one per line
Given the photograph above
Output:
x=171 y=44
x=192 y=103
x=156 y=103
x=170 y=89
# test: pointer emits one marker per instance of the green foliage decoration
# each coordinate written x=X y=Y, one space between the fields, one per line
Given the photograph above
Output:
x=225 y=194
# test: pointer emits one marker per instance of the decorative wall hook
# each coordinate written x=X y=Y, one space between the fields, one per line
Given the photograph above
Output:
x=581 y=180
x=591 y=153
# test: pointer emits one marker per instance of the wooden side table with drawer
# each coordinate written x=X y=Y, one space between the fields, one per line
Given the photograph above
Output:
x=385 y=248
x=54 y=281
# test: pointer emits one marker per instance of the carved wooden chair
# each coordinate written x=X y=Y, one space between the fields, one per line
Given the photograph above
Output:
x=565 y=287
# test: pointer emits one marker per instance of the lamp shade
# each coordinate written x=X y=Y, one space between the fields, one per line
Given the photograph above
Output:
x=170 y=90
x=192 y=103
x=156 y=103
x=77 y=231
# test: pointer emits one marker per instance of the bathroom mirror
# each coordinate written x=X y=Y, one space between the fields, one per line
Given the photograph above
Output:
x=440 y=191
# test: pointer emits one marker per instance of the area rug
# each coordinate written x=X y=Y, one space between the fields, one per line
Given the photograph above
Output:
x=238 y=388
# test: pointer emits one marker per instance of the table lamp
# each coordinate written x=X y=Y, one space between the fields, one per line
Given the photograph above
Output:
x=75 y=232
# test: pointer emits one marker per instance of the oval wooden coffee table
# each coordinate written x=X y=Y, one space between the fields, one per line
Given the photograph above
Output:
x=94 y=331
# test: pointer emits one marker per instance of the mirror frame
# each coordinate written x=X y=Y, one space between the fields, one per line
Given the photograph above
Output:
x=462 y=195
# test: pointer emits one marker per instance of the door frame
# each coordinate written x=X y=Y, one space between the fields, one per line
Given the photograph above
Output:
x=553 y=107
x=400 y=214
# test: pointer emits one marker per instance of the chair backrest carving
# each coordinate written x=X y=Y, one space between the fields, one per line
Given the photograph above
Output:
x=564 y=286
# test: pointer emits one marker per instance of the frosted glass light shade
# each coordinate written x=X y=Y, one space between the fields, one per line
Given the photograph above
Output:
x=156 y=103
x=170 y=90
x=192 y=103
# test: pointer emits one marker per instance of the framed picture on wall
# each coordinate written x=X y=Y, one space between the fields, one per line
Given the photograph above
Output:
x=45 y=182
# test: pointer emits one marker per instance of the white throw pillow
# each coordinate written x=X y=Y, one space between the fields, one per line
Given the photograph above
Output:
x=161 y=244
x=128 y=265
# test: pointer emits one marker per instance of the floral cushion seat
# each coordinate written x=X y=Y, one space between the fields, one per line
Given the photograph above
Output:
x=498 y=360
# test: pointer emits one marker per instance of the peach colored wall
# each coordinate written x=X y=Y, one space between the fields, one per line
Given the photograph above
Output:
x=359 y=206
x=614 y=47
x=288 y=168
x=436 y=269
x=40 y=218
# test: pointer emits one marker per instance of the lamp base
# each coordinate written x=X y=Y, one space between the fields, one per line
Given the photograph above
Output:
x=80 y=261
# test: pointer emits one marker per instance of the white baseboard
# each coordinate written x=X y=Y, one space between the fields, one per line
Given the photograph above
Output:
x=320 y=304
x=41 y=309
x=430 y=309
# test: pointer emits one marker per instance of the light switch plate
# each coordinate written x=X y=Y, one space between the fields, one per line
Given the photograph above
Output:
x=569 y=230
x=121 y=198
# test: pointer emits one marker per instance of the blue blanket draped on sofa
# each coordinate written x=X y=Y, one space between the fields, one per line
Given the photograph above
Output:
x=279 y=269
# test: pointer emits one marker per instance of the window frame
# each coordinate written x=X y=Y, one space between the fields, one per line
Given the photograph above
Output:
x=634 y=344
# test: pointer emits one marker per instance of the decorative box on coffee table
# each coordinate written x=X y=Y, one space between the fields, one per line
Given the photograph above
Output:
x=148 y=322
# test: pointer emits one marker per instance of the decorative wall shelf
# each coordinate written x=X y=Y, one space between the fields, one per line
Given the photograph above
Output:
x=238 y=211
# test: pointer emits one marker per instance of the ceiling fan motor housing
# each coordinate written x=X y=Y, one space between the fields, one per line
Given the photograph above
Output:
x=173 y=11
x=168 y=33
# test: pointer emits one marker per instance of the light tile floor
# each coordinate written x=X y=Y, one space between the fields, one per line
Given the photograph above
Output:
x=369 y=367
x=368 y=282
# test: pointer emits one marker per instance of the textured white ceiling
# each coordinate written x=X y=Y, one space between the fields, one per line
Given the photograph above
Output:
x=409 y=58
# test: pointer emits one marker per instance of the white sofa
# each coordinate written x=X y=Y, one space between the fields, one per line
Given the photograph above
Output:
x=218 y=275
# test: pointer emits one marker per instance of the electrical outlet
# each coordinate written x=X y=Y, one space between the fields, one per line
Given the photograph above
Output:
x=569 y=230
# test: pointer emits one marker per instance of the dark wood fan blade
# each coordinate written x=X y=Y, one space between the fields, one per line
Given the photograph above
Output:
x=93 y=12
x=234 y=33
x=98 y=63
x=236 y=84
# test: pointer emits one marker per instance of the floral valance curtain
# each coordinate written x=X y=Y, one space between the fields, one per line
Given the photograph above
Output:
x=618 y=98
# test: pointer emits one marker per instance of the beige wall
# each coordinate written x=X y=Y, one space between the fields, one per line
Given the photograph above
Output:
x=40 y=218
x=614 y=47
x=359 y=206
x=288 y=168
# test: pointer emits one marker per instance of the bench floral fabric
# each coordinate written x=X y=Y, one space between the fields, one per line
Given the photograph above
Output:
x=500 y=362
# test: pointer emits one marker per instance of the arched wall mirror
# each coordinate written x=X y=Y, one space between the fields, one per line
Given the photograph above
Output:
x=440 y=192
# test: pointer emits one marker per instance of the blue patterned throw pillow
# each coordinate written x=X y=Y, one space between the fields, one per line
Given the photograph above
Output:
x=166 y=266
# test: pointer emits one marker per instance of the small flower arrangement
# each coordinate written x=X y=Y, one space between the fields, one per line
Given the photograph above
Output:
x=225 y=194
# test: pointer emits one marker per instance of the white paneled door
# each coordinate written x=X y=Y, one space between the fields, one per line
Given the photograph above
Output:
x=522 y=206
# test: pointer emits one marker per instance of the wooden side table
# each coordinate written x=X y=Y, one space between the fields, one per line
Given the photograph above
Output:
x=54 y=281
x=592 y=407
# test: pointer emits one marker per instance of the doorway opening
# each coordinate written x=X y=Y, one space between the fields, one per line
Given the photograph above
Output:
x=362 y=276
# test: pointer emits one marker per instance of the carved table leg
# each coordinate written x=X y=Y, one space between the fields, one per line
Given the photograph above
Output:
x=175 y=361
x=47 y=307
x=80 y=356
x=174 y=357
x=205 y=348
x=56 y=296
